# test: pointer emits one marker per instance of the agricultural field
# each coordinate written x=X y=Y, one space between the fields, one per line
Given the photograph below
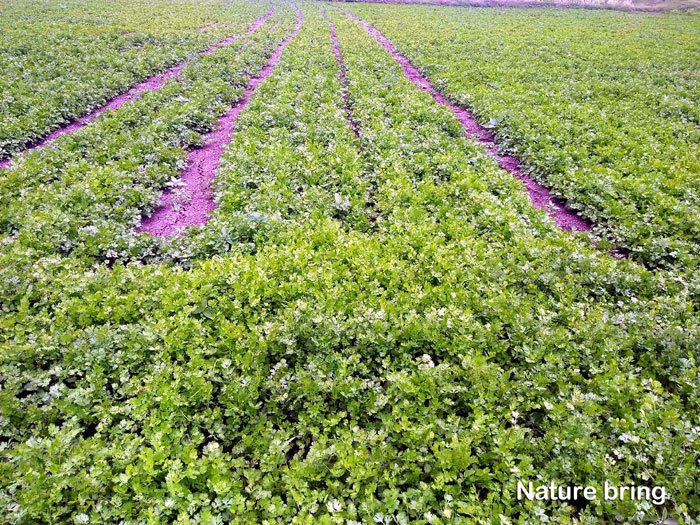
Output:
x=602 y=107
x=636 y=6
x=324 y=262
x=60 y=60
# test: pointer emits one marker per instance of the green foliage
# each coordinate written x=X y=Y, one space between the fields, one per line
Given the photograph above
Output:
x=84 y=194
x=369 y=330
x=600 y=106
x=291 y=159
x=61 y=60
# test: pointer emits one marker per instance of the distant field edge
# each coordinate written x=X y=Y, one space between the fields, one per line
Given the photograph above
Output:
x=651 y=6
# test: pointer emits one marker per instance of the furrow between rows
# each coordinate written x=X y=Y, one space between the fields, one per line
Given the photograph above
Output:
x=151 y=84
x=343 y=81
x=540 y=196
x=192 y=204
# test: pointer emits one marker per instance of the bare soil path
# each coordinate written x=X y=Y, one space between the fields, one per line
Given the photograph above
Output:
x=150 y=84
x=540 y=196
x=343 y=82
x=192 y=203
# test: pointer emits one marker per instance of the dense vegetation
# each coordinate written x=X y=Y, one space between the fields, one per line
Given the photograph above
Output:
x=84 y=196
x=60 y=60
x=372 y=329
x=601 y=106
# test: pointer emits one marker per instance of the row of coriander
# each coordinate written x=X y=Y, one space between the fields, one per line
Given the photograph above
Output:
x=598 y=105
x=61 y=62
x=83 y=196
x=292 y=158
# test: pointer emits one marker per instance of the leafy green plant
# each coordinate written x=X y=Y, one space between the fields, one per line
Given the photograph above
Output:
x=598 y=105
x=377 y=329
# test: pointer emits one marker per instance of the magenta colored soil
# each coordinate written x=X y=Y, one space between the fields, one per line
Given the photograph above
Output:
x=343 y=80
x=210 y=26
x=540 y=196
x=193 y=203
x=151 y=84
x=252 y=27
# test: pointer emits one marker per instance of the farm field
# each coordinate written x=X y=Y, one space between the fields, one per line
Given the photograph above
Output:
x=62 y=60
x=600 y=106
x=636 y=6
x=322 y=262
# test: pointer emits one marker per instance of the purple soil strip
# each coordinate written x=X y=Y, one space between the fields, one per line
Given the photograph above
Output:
x=540 y=196
x=210 y=26
x=192 y=203
x=343 y=80
x=150 y=84
x=252 y=27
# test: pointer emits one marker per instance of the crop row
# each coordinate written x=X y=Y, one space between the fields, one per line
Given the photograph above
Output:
x=599 y=106
x=388 y=333
x=539 y=195
x=83 y=195
x=291 y=159
x=191 y=203
x=63 y=61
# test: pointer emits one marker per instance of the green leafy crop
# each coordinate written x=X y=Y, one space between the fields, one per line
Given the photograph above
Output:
x=600 y=106
x=61 y=60
x=370 y=329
